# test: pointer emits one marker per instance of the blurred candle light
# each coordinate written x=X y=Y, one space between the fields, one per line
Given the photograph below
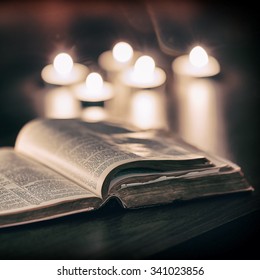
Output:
x=144 y=74
x=196 y=64
x=114 y=62
x=144 y=70
x=59 y=103
x=94 y=84
x=118 y=58
x=147 y=110
x=64 y=71
x=122 y=52
x=94 y=89
x=200 y=115
x=94 y=114
x=63 y=64
x=198 y=57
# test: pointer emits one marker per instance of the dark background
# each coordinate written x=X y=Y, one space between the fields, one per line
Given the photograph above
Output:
x=32 y=32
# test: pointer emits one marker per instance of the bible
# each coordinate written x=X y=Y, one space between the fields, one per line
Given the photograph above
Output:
x=63 y=167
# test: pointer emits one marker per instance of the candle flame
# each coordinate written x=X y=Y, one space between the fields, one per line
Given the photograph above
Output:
x=94 y=82
x=198 y=57
x=63 y=63
x=144 y=68
x=122 y=52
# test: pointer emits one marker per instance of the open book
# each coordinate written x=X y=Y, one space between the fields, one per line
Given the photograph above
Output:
x=61 y=167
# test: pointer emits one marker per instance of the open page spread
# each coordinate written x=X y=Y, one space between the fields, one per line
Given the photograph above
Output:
x=61 y=167
x=26 y=185
x=87 y=154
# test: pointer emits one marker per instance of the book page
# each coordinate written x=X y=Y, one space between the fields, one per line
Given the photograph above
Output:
x=162 y=146
x=153 y=144
x=26 y=185
x=71 y=148
x=86 y=153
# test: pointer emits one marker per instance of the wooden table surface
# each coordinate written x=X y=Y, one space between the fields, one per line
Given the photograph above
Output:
x=115 y=233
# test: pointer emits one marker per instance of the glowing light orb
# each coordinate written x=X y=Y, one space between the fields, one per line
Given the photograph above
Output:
x=122 y=52
x=63 y=63
x=198 y=57
x=144 y=68
x=94 y=82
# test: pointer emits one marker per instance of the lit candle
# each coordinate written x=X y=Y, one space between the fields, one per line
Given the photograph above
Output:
x=60 y=103
x=64 y=71
x=144 y=74
x=118 y=58
x=147 y=110
x=196 y=64
x=94 y=89
x=200 y=116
